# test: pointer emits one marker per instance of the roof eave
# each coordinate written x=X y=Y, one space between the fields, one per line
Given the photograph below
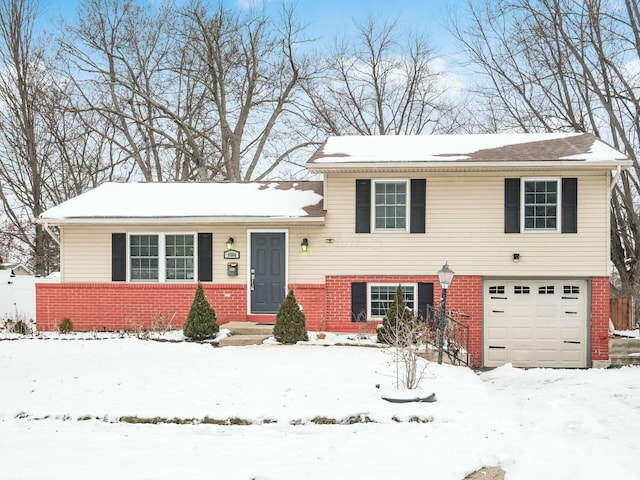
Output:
x=454 y=166
x=178 y=220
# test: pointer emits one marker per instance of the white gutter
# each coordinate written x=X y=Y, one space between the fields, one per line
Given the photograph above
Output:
x=51 y=233
x=179 y=220
x=615 y=178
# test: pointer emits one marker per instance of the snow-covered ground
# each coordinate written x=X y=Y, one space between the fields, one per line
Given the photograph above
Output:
x=536 y=424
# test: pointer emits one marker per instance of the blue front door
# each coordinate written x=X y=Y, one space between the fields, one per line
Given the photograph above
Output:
x=267 y=272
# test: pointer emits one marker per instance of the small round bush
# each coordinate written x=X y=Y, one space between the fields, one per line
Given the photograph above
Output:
x=65 y=325
x=201 y=322
x=21 y=328
x=291 y=323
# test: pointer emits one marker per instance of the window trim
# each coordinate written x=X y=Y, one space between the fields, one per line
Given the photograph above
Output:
x=162 y=257
x=407 y=206
x=558 y=181
x=414 y=285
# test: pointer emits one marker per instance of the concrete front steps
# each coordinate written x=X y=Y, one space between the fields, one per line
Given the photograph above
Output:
x=246 y=333
x=624 y=351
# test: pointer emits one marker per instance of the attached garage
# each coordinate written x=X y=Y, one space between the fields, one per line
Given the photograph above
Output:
x=536 y=323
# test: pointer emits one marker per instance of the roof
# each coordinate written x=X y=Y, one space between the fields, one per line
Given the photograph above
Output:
x=456 y=151
x=16 y=268
x=192 y=202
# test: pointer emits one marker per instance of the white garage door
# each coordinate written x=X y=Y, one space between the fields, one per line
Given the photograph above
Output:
x=535 y=323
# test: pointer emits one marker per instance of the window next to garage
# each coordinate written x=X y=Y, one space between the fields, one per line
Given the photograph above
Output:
x=381 y=297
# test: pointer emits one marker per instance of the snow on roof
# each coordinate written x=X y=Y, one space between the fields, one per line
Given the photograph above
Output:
x=193 y=200
x=508 y=147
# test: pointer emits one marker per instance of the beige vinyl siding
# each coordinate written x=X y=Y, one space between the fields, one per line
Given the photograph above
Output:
x=465 y=226
x=86 y=250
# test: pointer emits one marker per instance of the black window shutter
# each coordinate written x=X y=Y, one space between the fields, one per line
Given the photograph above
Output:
x=118 y=257
x=569 y=205
x=511 y=205
x=358 y=302
x=205 y=257
x=363 y=206
x=425 y=298
x=418 y=201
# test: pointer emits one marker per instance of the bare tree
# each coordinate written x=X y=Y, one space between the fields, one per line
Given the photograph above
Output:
x=251 y=70
x=382 y=83
x=566 y=65
x=23 y=86
x=120 y=56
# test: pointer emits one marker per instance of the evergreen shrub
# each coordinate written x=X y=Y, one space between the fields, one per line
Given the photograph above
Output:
x=397 y=312
x=291 y=322
x=201 y=322
x=65 y=325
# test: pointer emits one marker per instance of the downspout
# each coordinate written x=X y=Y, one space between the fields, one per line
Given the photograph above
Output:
x=51 y=233
x=615 y=178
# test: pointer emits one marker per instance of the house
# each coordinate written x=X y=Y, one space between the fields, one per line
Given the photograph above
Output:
x=522 y=219
x=17 y=268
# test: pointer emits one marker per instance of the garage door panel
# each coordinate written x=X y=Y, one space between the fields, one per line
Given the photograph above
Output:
x=547 y=355
x=521 y=355
x=497 y=333
x=521 y=333
x=520 y=313
x=545 y=313
x=497 y=355
x=545 y=334
x=539 y=322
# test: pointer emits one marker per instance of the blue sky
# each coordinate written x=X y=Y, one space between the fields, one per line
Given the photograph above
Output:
x=327 y=18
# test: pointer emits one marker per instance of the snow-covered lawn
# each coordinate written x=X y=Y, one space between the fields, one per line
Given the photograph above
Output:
x=536 y=424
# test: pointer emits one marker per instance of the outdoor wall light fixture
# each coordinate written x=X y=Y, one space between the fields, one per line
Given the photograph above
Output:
x=230 y=243
x=304 y=246
x=516 y=257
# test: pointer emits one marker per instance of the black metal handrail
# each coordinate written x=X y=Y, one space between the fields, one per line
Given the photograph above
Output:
x=456 y=334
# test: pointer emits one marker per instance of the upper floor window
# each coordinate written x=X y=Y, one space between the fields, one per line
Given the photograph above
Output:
x=540 y=205
x=390 y=205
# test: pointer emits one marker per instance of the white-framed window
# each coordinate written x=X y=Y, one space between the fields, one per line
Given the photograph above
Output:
x=162 y=257
x=390 y=210
x=380 y=297
x=541 y=204
x=144 y=257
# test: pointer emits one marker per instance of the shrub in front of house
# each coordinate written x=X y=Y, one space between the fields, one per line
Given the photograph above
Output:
x=291 y=322
x=65 y=325
x=201 y=322
x=21 y=328
x=397 y=312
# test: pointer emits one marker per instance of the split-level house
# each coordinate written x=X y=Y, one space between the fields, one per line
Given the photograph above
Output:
x=522 y=220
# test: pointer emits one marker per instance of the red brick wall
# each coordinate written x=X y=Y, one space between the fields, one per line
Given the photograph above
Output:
x=312 y=299
x=116 y=306
x=599 y=318
x=464 y=295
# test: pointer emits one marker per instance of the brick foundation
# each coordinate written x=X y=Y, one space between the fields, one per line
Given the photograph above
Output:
x=120 y=306
x=116 y=306
x=599 y=319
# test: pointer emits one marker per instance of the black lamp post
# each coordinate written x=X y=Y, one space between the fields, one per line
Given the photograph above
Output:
x=445 y=276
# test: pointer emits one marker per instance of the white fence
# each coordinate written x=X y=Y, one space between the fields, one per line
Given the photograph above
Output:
x=18 y=295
